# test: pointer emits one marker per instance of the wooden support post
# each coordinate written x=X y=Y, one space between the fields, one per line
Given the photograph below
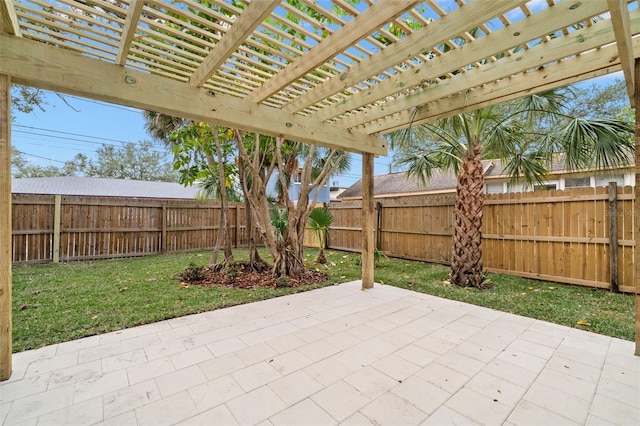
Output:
x=613 y=236
x=636 y=210
x=5 y=227
x=57 y=217
x=368 y=222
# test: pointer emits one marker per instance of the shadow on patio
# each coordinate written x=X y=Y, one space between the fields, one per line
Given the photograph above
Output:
x=334 y=355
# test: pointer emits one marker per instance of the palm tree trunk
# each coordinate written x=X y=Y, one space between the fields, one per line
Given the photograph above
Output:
x=466 y=259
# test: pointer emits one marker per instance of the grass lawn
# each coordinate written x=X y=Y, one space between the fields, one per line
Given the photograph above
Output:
x=59 y=302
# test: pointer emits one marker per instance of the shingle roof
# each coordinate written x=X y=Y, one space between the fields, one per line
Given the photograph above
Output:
x=75 y=185
x=398 y=183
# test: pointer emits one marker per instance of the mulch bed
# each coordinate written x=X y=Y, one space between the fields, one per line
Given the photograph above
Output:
x=249 y=279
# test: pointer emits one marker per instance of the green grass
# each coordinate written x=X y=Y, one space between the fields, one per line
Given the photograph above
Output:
x=59 y=302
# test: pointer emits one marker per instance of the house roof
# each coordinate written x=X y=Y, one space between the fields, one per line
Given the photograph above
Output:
x=75 y=185
x=398 y=183
x=441 y=181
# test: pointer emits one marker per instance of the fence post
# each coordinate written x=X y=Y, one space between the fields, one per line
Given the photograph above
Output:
x=163 y=235
x=378 y=224
x=238 y=234
x=613 y=236
x=57 y=219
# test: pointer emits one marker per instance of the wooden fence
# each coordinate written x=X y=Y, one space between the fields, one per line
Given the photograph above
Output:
x=50 y=228
x=561 y=236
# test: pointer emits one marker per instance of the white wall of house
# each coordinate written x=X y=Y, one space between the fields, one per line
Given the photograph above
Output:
x=564 y=182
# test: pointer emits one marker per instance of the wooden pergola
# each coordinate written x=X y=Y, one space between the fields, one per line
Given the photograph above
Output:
x=325 y=72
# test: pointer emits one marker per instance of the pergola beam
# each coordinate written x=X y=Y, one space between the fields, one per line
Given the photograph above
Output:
x=39 y=65
x=367 y=22
x=622 y=29
x=514 y=87
x=255 y=13
x=528 y=29
x=557 y=49
x=9 y=18
x=129 y=30
x=422 y=40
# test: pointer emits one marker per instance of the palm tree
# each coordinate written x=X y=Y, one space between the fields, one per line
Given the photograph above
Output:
x=319 y=221
x=526 y=135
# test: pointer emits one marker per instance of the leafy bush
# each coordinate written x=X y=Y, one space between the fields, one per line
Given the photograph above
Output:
x=192 y=273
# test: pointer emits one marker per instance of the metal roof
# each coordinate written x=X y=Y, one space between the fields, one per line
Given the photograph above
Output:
x=90 y=186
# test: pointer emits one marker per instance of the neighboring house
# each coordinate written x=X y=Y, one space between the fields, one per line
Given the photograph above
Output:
x=100 y=187
x=335 y=190
x=397 y=184
x=294 y=189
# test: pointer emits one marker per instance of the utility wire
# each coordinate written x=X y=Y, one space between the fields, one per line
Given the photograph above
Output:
x=38 y=156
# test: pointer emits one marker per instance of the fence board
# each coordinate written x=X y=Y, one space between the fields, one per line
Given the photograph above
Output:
x=553 y=235
x=103 y=227
x=556 y=235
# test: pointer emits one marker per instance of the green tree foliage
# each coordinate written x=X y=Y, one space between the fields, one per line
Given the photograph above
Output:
x=138 y=161
x=21 y=167
x=26 y=99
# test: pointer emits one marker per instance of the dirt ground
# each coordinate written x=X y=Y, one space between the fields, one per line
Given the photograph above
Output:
x=239 y=276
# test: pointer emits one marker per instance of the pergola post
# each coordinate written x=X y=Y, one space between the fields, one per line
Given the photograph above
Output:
x=636 y=208
x=5 y=227
x=368 y=222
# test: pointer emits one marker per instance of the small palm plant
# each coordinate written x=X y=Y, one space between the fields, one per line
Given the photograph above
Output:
x=319 y=221
x=279 y=222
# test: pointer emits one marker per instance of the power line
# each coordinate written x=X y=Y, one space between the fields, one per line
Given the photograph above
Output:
x=83 y=141
x=38 y=156
x=67 y=133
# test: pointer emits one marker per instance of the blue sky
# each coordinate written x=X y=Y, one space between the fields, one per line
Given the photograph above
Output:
x=57 y=134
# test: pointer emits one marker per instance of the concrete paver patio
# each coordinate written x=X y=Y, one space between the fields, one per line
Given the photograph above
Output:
x=336 y=355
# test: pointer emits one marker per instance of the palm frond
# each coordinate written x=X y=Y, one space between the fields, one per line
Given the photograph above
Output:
x=320 y=219
x=421 y=166
x=595 y=143
x=279 y=222
x=529 y=168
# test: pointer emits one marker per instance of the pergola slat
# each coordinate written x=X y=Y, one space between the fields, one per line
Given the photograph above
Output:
x=513 y=87
x=129 y=30
x=501 y=40
x=34 y=64
x=368 y=21
x=559 y=48
x=253 y=16
x=421 y=40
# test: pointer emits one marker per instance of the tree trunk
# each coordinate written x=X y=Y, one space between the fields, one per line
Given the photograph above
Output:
x=255 y=261
x=224 y=201
x=466 y=260
x=290 y=259
x=216 y=249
